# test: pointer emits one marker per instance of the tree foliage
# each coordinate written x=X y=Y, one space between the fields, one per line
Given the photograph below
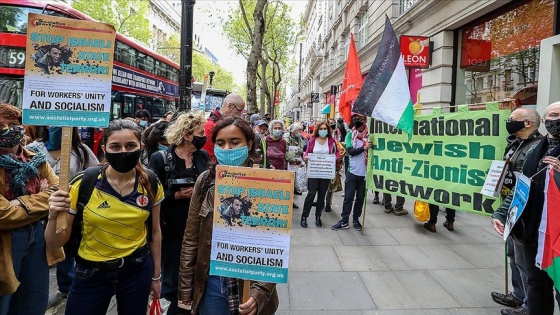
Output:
x=202 y=65
x=278 y=38
x=127 y=16
x=170 y=48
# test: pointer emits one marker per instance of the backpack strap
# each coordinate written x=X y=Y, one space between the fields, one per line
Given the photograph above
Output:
x=89 y=179
x=263 y=147
x=154 y=181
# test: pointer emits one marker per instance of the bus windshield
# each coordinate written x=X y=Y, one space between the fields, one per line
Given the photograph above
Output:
x=13 y=19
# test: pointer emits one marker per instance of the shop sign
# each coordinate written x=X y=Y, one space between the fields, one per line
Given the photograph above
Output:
x=475 y=54
x=415 y=51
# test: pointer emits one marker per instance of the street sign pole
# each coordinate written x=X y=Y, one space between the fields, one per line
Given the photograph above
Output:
x=185 y=82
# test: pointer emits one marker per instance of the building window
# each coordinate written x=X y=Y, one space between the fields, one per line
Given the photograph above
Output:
x=501 y=50
x=363 y=31
x=405 y=5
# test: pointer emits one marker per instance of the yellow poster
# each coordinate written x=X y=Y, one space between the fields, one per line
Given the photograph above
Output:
x=68 y=72
x=252 y=222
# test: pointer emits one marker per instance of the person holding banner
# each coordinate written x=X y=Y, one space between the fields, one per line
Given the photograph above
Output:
x=357 y=145
x=203 y=293
x=121 y=255
x=27 y=181
x=523 y=127
x=178 y=167
x=545 y=155
x=321 y=142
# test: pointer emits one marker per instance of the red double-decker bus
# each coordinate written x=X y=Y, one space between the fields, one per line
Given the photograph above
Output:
x=142 y=79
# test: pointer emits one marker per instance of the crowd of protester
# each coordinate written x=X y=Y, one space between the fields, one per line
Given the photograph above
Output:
x=159 y=179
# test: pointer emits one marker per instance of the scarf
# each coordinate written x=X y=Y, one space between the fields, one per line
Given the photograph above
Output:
x=362 y=136
x=21 y=172
x=233 y=295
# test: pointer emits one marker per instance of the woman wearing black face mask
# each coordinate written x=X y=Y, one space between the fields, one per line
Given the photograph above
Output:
x=178 y=167
x=121 y=253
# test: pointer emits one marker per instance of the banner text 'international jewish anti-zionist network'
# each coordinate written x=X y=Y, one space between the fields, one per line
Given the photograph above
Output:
x=446 y=161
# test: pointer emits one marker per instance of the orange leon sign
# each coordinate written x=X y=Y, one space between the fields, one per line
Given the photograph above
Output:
x=415 y=51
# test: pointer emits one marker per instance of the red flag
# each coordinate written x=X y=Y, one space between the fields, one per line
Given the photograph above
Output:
x=351 y=83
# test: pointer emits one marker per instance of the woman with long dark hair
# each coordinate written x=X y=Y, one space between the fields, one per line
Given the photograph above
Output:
x=154 y=140
x=121 y=253
x=233 y=141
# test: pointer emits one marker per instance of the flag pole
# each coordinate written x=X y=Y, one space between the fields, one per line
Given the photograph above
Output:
x=370 y=151
x=506 y=268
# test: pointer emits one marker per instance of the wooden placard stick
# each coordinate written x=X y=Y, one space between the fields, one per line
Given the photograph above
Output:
x=64 y=175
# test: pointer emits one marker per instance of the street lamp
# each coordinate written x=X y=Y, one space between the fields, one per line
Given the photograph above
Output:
x=212 y=74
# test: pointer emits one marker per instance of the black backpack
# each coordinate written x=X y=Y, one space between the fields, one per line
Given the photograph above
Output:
x=89 y=179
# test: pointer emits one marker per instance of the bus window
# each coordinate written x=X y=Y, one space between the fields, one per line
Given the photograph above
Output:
x=128 y=110
x=158 y=109
x=14 y=19
x=11 y=91
x=116 y=109
x=161 y=69
x=140 y=60
x=149 y=64
x=139 y=104
x=170 y=106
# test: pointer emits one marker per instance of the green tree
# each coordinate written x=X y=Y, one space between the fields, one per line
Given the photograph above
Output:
x=278 y=38
x=170 y=48
x=202 y=65
x=127 y=16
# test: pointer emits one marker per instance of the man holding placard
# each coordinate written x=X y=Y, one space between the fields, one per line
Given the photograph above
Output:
x=27 y=181
x=357 y=145
x=522 y=125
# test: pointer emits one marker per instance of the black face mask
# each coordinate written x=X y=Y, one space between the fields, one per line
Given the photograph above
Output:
x=553 y=127
x=358 y=123
x=11 y=137
x=333 y=126
x=198 y=142
x=123 y=162
x=513 y=126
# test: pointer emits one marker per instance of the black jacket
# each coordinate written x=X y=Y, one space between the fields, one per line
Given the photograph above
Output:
x=531 y=217
x=174 y=212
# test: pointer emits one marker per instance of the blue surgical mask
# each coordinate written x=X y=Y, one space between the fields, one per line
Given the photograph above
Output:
x=143 y=123
x=231 y=157
x=323 y=133
x=161 y=147
x=55 y=139
x=277 y=133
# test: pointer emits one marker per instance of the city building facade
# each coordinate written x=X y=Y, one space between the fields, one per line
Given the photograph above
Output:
x=481 y=50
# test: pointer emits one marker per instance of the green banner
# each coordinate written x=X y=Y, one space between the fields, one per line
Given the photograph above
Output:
x=446 y=161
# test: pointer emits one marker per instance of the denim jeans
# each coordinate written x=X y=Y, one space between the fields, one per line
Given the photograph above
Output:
x=315 y=186
x=92 y=289
x=170 y=261
x=387 y=201
x=65 y=274
x=354 y=186
x=32 y=271
x=215 y=298
x=540 y=289
x=518 y=272
x=434 y=211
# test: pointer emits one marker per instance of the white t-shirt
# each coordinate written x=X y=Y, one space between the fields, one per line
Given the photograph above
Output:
x=321 y=148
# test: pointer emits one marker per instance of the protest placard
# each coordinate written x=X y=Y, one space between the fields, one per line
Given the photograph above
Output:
x=494 y=180
x=68 y=74
x=445 y=163
x=252 y=222
x=518 y=203
x=321 y=166
x=67 y=79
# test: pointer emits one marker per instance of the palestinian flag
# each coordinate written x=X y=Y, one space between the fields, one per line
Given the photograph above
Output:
x=385 y=94
x=548 y=254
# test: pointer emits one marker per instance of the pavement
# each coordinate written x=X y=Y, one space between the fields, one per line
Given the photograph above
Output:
x=396 y=268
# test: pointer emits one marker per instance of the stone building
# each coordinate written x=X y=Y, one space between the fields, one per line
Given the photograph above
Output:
x=481 y=50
